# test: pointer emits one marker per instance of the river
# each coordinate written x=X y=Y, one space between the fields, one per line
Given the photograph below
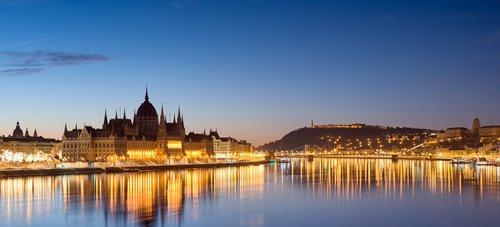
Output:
x=324 y=192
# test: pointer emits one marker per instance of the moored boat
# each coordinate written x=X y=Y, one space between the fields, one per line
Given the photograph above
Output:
x=481 y=161
x=459 y=161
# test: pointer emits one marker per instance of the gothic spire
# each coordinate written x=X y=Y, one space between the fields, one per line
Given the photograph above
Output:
x=133 y=119
x=124 y=115
x=146 y=97
x=162 y=115
x=179 y=114
x=65 y=128
x=105 y=124
x=116 y=114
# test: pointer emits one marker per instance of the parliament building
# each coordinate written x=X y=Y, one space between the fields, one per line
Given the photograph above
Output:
x=146 y=136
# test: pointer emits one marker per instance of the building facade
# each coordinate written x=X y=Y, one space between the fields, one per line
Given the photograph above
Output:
x=227 y=147
x=490 y=132
x=214 y=146
x=145 y=136
x=453 y=133
x=28 y=144
x=199 y=145
x=476 y=137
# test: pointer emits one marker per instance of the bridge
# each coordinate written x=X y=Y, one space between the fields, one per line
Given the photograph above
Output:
x=416 y=147
x=306 y=151
x=298 y=152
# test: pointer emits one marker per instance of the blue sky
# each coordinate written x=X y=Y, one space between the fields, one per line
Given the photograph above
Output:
x=253 y=69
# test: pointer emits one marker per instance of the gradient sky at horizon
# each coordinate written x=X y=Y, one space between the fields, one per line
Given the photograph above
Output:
x=253 y=69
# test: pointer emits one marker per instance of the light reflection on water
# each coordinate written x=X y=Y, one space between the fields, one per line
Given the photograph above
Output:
x=323 y=192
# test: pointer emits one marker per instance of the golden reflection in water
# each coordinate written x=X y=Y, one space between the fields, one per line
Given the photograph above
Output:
x=130 y=198
x=348 y=178
x=161 y=198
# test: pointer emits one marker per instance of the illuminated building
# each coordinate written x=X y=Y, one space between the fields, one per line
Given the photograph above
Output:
x=477 y=136
x=144 y=137
x=198 y=145
x=452 y=133
x=24 y=143
x=212 y=145
x=227 y=147
x=337 y=126
x=490 y=131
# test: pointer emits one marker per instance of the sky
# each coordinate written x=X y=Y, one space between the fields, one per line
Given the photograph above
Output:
x=253 y=69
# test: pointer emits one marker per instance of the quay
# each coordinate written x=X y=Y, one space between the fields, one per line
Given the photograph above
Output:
x=25 y=172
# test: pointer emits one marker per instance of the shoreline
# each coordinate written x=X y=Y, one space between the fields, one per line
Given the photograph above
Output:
x=29 y=172
x=12 y=173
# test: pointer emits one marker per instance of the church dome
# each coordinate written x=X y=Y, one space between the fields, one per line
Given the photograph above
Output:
x=18 y=132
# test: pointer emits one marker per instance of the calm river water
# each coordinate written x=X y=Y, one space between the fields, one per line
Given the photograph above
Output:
x=325 y=192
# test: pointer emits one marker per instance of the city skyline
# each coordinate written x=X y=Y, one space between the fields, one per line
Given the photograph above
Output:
x=254 y=70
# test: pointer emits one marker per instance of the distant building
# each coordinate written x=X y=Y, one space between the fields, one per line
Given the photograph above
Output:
x=338 y=126
x=227 y=147
x=198 y=145
x=483 y=134
x=23 y=142
x=492 y=131
x=453 y=133
x=144 y=137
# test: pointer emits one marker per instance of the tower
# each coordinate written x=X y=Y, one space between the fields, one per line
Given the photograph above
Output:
x=476 y=124
x=162 y=133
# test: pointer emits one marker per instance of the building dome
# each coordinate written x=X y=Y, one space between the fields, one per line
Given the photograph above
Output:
x=18 y=132
x=146 y=119
x=146 y=110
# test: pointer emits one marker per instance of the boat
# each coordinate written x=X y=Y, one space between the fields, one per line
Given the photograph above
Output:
x=120 y=170
x=283 y=160
x=310 y=158
x=459 y=161
x=481 y=161
x=394 y=157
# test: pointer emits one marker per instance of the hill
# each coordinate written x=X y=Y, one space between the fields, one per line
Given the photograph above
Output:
x=350 y=138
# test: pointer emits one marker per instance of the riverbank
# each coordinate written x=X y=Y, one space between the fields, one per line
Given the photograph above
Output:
x=25 y=172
